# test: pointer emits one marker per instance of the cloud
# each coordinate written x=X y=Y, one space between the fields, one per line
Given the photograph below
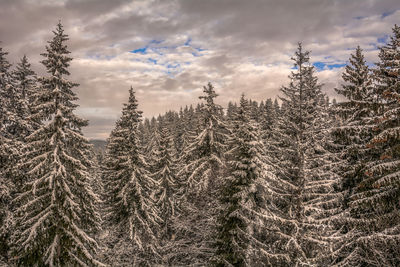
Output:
x=167 y=50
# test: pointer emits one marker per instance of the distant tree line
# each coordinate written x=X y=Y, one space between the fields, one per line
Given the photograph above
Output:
x=299 y=181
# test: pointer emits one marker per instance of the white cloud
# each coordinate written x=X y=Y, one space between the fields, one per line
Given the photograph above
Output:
x=240 y=46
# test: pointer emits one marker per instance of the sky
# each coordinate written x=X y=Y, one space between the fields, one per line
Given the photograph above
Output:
x=167 y=50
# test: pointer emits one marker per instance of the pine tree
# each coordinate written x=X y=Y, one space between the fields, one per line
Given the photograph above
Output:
x=230 y=111
x=153 y=145
x=255 y=113
x=23 y=109
x=6 y=187
x=56 y=218
x=302 y=188
x=375 y=205
x=202 y=178
x=7 y=155
x=166 y=196
x=132 y=215
x=268 y=118
x=208 y=146
x=15 y=127
x=189 y=124
x=246 y=167
x=5 y=83
x=356 y=115
x=25 y=83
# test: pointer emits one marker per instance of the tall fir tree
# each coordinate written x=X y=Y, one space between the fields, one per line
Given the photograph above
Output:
x=356 y=120
x=208 y=147
x=7 y=155
x=5 y=84
x=236 y=245
x=132 y=214
x=375 y=205
x=56 y=217
x=167 y=195
x=23 y=107
x=6 y=189
x=302 y=188
x=188 y=123
x=26 y=87
x=268 y=118
x=202 y=178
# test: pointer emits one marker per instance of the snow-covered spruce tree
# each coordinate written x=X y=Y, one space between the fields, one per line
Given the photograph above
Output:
x=22 y=107
x=302 y=188
x=235 y=243
x=25 y=83
x=230 y=111
x=268 y=120
x=255 y=112
x=6 y=188
x=375 y=205
x=153 y=145
x=172 y=122
x=166 y=196
x=132 y=216
x=9 y=153
x=208 y=147
x=202 y=176
x=18 y=124
x=5 y=84
x=56 y=218
x=188 y=123
x=356 y=117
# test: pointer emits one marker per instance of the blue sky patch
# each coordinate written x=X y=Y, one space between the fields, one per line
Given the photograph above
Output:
x=140 y=50
x=143 y=50
x=321 y=65
x=334 y=66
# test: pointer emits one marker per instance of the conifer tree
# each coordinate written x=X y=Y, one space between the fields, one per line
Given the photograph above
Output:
x=189 y=124
x=356 y=114
x=230 y=111
x=302 y=187
x=5 y=84
x=202 y=178
x=7 y=155
x=25 y=83
x=153 y=145
x=246 y=168
x=268 y=120
x=23 y=109
x=166 y=176
x=132 y=214
x=208 y=147
x=375 y=205
x=56 y=218
x=6 y=188
x=167 y=195
x=255 y=113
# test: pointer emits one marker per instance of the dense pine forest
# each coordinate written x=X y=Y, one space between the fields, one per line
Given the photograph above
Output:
x=299 y=180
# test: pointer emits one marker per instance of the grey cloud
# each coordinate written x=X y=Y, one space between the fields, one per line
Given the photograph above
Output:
x=90 y=8
x=248 y=45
